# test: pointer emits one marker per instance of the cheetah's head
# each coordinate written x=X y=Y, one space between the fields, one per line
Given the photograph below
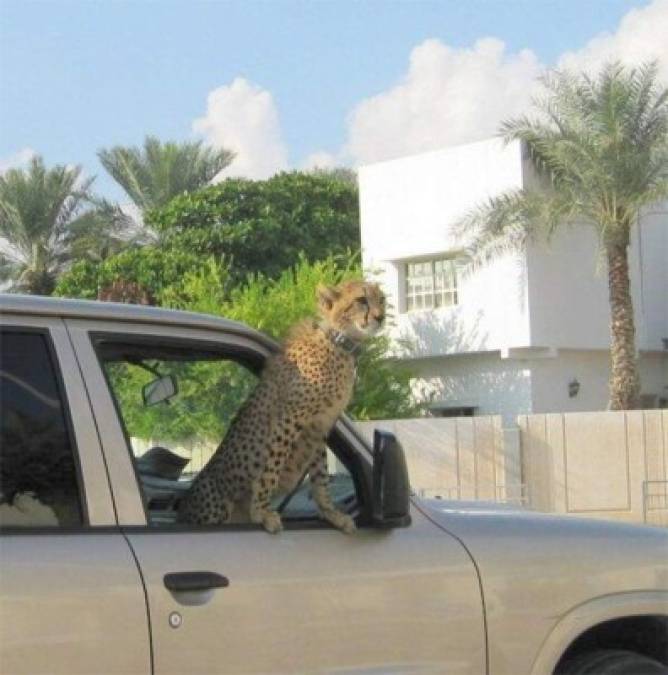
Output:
x=356 y=308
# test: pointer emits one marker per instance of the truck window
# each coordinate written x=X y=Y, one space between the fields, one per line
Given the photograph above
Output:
x=38 y=472
x=176 y=404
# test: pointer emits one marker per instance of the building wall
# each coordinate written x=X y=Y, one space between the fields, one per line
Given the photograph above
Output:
x=408 y=204
x=550 y=378
x=526 y=324
x=535 y=384
x=652 y=285
x=567 y=281
x=485 y=381
x=492 y=315
x=407 y=207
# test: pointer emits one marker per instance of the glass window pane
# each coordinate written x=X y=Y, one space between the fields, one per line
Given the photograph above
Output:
x=174 y=439
x=449 y=273
x=38 y=478
x=434 y=280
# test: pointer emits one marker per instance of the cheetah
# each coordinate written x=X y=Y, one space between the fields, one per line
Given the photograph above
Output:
x=278 y=435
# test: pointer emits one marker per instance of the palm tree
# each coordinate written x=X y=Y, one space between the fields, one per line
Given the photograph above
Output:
x=44 y=224
x=601 y=147
x=151 y=176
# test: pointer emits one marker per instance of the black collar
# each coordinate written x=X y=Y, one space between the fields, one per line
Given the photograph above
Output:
x=342 y=341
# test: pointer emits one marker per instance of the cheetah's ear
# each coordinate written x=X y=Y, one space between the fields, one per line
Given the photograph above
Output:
x=327 y=296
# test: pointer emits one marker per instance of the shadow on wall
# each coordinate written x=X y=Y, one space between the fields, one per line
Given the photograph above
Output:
x=439 y=332
x=454 y=368
x=504 y=389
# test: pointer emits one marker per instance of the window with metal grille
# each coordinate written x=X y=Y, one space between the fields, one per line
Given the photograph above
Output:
x=431 y=283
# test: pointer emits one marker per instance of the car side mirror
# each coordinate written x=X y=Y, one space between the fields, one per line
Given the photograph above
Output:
x=391 y=487
x=159 y=390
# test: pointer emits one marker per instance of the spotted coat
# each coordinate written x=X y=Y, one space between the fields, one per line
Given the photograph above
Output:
x=279 y=433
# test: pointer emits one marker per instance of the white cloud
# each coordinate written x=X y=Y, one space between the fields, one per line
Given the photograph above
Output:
x=242 y=117
x=17 y=160
x=642 y=35
x=448 y=96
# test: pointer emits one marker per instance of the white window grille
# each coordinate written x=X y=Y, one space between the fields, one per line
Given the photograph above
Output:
x=431 y=283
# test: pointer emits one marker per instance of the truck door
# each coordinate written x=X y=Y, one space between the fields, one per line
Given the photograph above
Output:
x=71 y=598
x=233 y=598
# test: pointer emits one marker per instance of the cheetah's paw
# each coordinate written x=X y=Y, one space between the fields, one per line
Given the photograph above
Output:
x=272 y=522
x=341 y=521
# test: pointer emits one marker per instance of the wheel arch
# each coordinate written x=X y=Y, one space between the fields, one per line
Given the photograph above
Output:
x=589 y=615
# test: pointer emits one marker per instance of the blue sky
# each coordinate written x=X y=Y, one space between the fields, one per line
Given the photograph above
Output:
x=310 y=82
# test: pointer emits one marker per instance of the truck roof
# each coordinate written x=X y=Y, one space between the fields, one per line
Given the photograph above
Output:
x=14 y=303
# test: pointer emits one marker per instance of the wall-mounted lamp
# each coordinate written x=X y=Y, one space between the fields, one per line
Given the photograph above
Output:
x=573 y=388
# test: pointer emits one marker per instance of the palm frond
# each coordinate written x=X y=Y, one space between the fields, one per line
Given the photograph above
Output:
x=154 y=174
x=601 y=142
x=506 y=222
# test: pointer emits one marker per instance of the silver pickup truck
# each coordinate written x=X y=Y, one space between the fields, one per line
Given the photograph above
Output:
x=109 y=411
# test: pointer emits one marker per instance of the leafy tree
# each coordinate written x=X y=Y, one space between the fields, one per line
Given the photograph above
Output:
x=272 y=306
x=256 y=226
x=601 y=147
x=47 y=219
x=151 y=176
x=210 y=393
x=151 y=268
x=342 y=173
x=263 y=226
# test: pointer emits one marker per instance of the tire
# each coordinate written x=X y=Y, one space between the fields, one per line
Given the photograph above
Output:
x=614 y=662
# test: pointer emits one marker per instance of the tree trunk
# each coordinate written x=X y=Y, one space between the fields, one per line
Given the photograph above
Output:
x=624 y=379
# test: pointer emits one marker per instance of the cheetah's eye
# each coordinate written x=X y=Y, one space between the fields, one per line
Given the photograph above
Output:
x=362 y=301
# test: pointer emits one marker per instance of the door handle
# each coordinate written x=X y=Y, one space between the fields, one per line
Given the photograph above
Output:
x=181 y=582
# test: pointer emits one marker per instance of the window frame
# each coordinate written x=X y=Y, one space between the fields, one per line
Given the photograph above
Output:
x=254 y=361
x=409 y=298
x=52 y=354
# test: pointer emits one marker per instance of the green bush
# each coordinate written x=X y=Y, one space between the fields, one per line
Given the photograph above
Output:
x=273 y=306
x=154 y=268
x=263 y=226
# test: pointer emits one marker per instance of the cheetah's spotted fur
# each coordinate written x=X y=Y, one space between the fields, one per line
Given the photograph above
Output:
x=279 y=433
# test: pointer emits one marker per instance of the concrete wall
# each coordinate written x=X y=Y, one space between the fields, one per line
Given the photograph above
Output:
x=610 y=465
x=469 y=458
x=597 y=464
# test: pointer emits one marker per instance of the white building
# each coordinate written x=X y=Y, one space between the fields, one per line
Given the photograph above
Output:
x=526 y=333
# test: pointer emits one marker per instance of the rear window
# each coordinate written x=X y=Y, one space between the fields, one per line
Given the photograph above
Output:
x=38 y=476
